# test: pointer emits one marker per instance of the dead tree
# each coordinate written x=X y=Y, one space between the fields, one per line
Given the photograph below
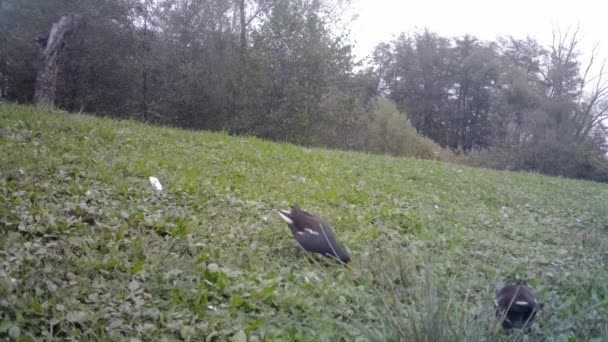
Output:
x=51 y=60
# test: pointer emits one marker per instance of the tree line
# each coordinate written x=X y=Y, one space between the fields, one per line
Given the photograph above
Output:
x=524 y=105
x=284 y=70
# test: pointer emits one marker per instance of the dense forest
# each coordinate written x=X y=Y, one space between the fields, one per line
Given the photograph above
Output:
x=284 y=70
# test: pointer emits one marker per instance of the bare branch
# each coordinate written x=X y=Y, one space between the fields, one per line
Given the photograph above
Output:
x=594 y=53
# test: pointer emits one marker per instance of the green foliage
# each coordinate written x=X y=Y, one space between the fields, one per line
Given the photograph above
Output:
x=547 y=157
x=170 y=62
x=284 y=70
x=295 y=81
x=512 y=94
x=24 y=21
x=391 y=132
x=20 y=23
x=89 y=250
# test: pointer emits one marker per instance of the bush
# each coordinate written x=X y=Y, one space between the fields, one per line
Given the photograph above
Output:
x=546 y=157
x=391 y=132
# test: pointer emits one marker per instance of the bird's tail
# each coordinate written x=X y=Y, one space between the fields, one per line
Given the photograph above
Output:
x=286 y=216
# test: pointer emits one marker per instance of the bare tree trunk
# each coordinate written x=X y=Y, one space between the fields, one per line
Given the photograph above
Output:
x=145 y=65
x=46 y=80
x=243 y=26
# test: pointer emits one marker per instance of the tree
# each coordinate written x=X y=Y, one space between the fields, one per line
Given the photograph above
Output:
x=53 y=60
x=21 y=23
x=414 y=73
x=194 y=52
x=581 y=99
x=476 y=73
x=102 y=72
x=444 y=88
x=293 y=72
x=520 y=92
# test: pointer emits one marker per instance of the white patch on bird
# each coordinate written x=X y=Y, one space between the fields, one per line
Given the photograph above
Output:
x=495 y=303
x=311 y=231
x=285 y=218
x=300 y=233
x=522 y=303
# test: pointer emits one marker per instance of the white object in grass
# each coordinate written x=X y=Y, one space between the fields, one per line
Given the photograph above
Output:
x=156 y=184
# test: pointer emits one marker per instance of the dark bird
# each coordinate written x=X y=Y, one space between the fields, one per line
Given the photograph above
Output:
x=314 y=234
x=517 y=305
x=42 y=41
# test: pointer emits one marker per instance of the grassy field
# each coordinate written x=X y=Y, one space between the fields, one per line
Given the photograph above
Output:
x=89 y=250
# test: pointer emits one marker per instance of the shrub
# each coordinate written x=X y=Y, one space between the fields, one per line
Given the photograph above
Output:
x=391 y=132
x=547 y=157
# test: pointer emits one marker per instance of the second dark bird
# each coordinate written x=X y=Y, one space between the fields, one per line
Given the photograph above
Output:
x=517 y=305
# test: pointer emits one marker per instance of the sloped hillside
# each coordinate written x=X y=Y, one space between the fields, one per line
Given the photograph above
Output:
x=90 y=250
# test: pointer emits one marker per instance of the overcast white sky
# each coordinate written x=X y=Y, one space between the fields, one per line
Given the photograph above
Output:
x=379 y=20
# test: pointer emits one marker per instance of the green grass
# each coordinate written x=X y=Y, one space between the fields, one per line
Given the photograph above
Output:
x=90 y=251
